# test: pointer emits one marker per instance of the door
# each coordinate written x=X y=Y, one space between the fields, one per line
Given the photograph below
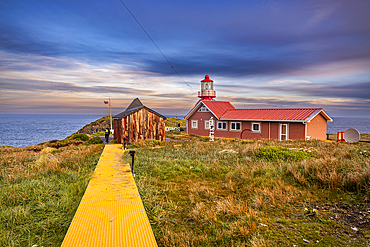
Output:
x=283 y=132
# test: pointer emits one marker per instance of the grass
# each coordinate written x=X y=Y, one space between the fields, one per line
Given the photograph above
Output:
x=232 y=193
x=228 y=192
x=173 y=122
x=40 y=190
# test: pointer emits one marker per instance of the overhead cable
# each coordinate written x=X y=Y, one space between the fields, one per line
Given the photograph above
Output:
x=154 y=43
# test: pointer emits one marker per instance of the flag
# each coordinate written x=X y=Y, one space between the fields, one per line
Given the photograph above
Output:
x=106 y=102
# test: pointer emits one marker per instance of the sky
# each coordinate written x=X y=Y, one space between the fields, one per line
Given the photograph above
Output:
x=67 y=57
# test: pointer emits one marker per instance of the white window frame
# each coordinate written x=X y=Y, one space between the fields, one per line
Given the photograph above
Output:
x=223 y=124
x=235 y=129
x=194 y=122
x=259 y=128
x=207 y=125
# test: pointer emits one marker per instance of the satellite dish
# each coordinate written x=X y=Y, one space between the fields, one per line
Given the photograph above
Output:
x=351 y=135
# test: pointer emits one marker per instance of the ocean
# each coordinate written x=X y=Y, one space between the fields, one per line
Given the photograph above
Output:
x=341 y=124
x=20 y=130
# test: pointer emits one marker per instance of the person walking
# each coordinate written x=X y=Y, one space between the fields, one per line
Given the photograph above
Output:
x=107 y=132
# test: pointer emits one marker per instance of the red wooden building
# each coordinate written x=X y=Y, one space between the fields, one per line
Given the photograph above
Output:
x=277 y=124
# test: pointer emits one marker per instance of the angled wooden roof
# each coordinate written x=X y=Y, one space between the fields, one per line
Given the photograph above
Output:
x=135 y=106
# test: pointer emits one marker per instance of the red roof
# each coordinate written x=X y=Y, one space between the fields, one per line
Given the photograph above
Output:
x=218 y=107
x=292 y=114
x=223 y=110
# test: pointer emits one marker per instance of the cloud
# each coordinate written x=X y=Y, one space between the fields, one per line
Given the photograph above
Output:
x=43 y=86
x=354 y=91
x=336 y=68
x=335 y=107
x=39 y=73
x=274 y=82
x=329 y=90
x=238 y=42
x=307 y=51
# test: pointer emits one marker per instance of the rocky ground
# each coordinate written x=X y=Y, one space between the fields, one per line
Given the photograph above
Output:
x=356 y=216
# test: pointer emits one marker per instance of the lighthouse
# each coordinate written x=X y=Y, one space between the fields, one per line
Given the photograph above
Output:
x=206 y=88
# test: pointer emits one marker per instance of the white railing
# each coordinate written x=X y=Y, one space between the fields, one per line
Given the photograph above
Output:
x=207 y=93
x=172 y=128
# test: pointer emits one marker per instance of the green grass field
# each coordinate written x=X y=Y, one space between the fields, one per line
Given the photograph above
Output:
x=40 y=191
x=228 y=192
x=256 y=193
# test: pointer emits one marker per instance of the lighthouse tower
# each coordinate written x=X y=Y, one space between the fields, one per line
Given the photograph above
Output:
x=206 y=87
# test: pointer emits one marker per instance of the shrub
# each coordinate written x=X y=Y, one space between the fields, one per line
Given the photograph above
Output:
x=79 y=136
x=155 y=142
x=94 y=140
x=113 y=141
x=62 y=143
x=281 y=153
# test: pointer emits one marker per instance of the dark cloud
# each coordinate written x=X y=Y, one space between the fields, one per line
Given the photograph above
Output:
x=44 y=86
x=15 y=40
x=272 y=40
x=238 y=40
x=353 y=90
x=347 y=108
x=223 y=65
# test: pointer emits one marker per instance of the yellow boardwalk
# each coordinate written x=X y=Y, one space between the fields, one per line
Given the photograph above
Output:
x=111 y=212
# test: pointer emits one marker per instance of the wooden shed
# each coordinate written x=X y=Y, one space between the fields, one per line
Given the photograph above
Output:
x=137 y=123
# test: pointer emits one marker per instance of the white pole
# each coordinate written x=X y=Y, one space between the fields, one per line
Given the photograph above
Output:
x=211 y=130
x=110 y=115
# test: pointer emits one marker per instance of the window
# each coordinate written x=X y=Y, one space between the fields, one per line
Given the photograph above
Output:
x=235 y=126
x=203 y=108
x=207 y=125
x=221 y=125
x=194 y=124
x=256 y=127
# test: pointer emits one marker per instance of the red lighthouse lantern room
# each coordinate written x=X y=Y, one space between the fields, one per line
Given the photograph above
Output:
x=206 y=87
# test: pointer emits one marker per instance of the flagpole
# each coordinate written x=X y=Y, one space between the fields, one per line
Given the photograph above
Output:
x=110 y=116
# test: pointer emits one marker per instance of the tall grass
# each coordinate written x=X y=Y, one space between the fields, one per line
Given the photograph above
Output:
x=40 y=192
x=250 y=193
x=198 y=193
